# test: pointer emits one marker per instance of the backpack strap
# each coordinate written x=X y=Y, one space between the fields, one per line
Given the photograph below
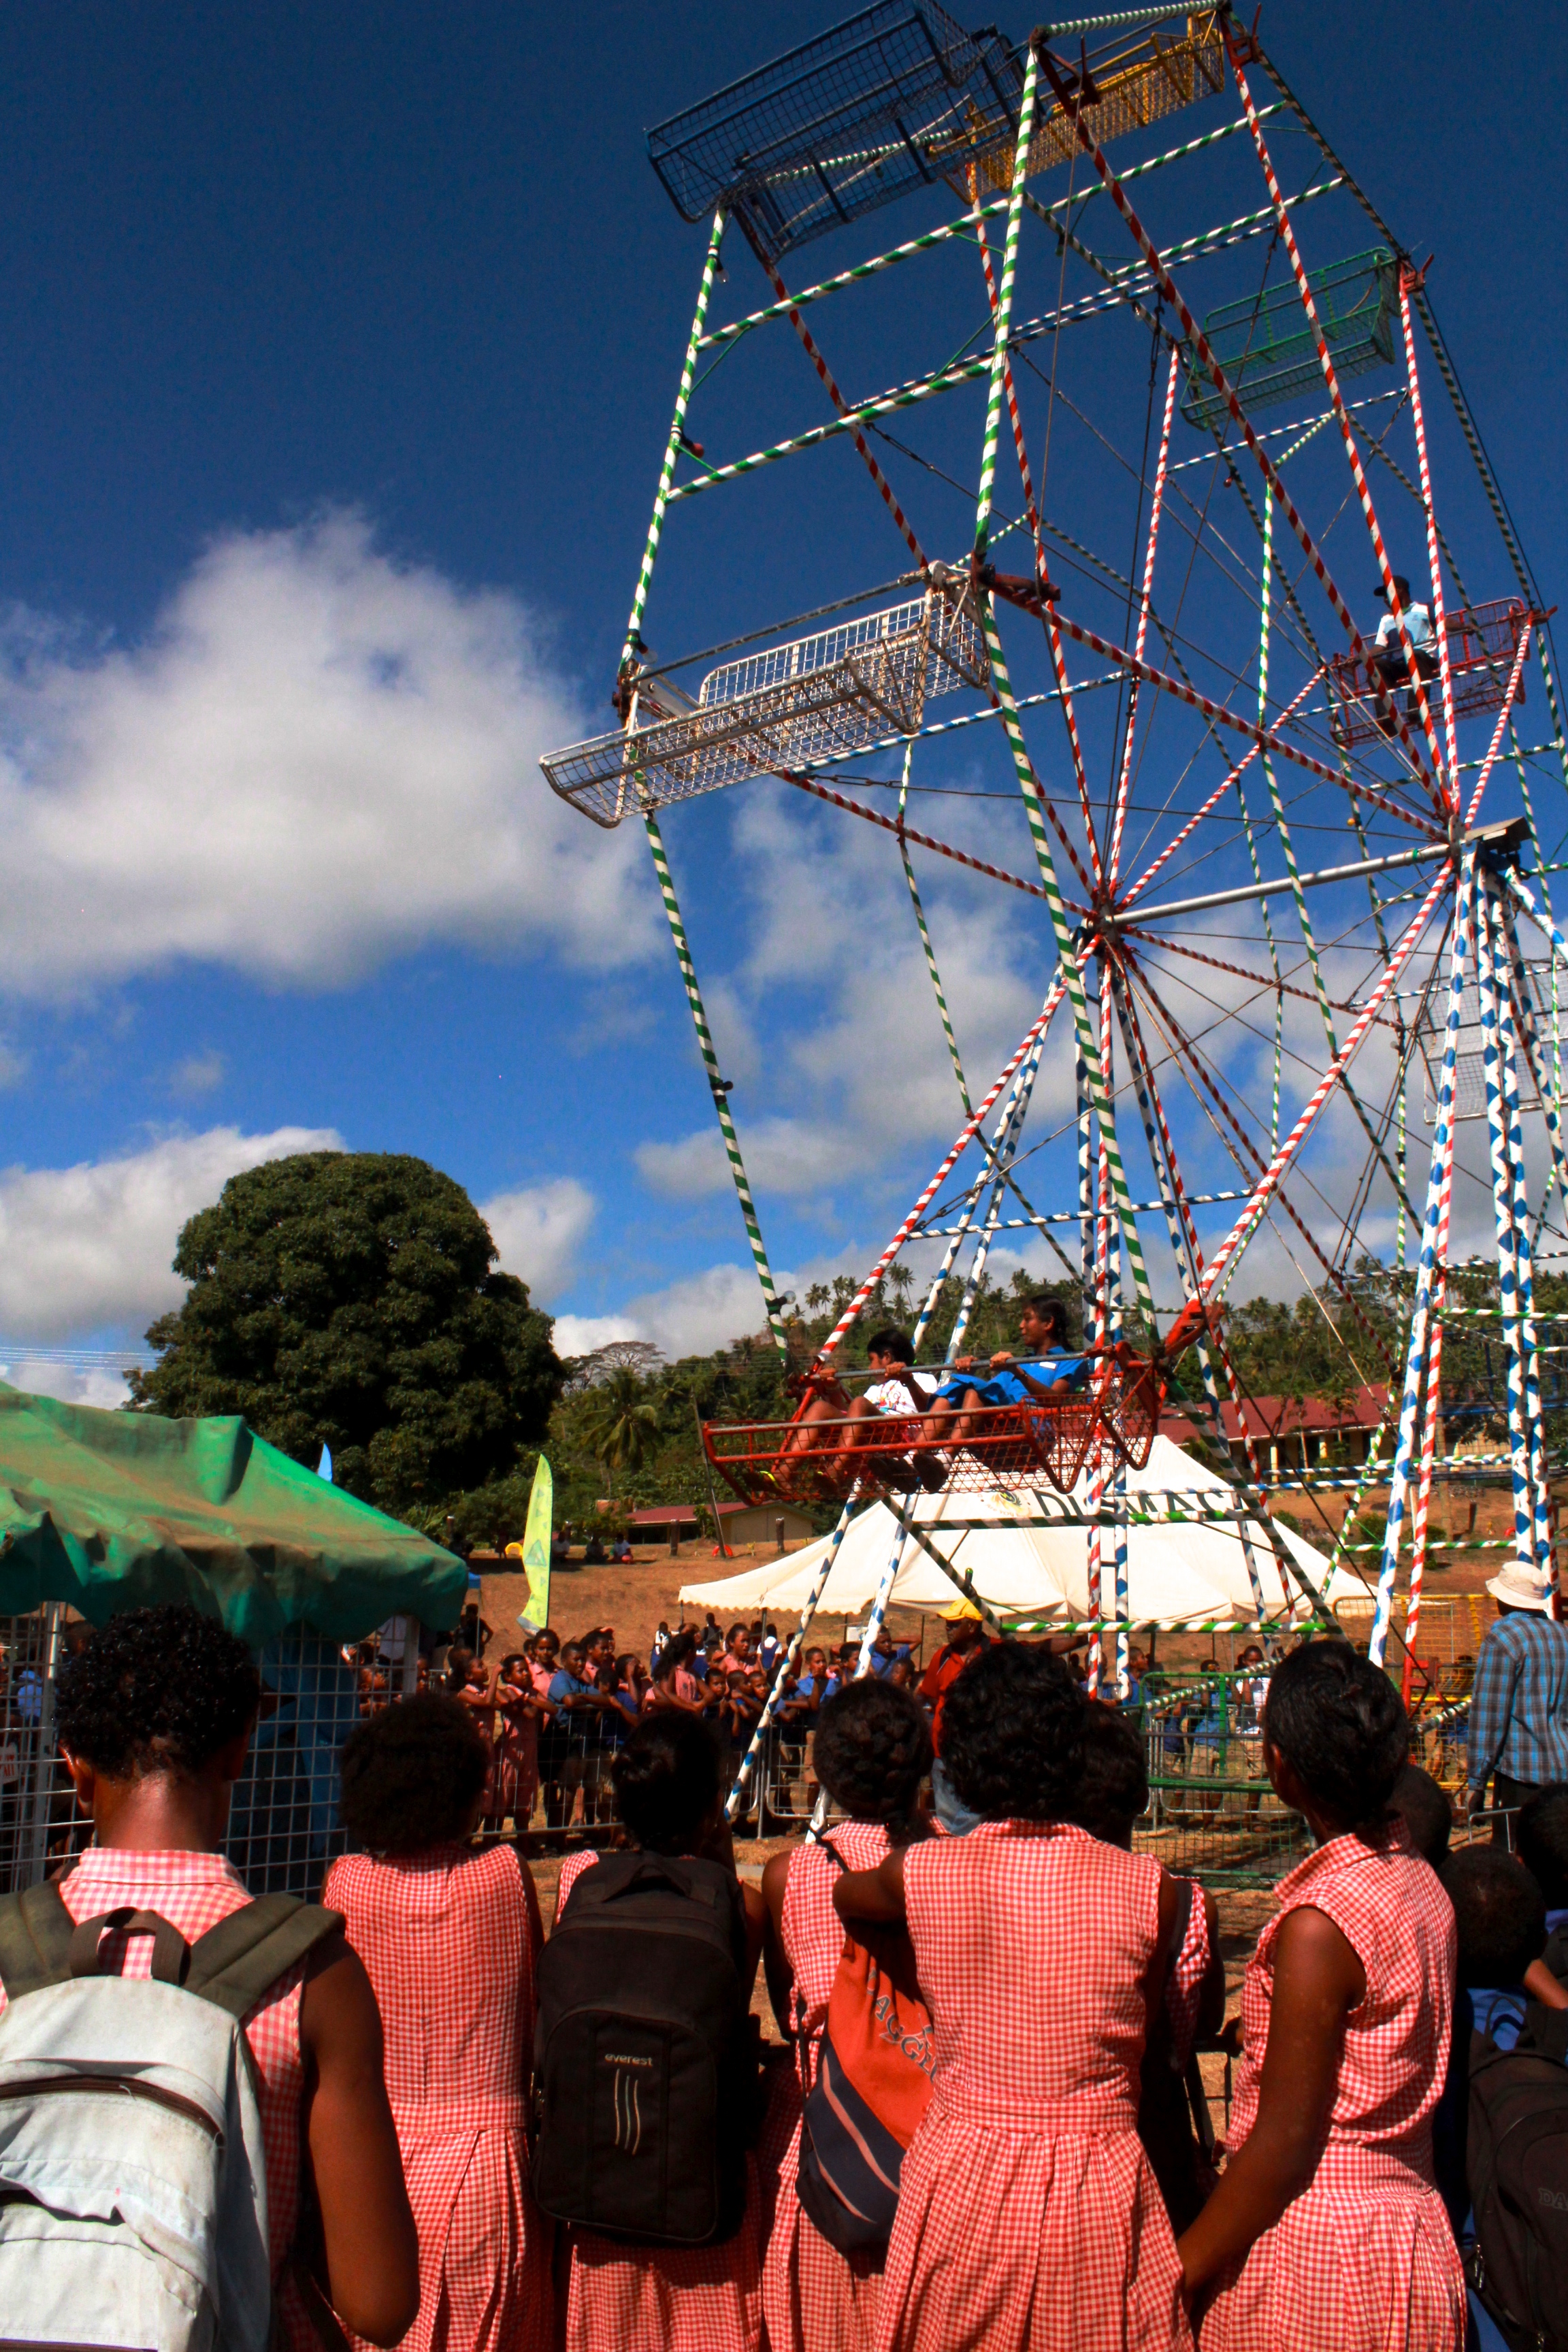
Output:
x=36 y=1931
x=1545 y=2033
x=244 y=1956
x=170 y=1953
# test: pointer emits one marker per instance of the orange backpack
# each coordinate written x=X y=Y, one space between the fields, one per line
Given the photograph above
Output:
x=872 y=2087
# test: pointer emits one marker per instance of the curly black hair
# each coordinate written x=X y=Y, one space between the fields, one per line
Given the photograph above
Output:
x=158 y=1690
x=667 y=1782
x=1338 y=1719
x=1498 y=1912
x=873 y=1750
x=1112 y=1788
x=1543 y=1844
x=1012 y=1734
x=411 y=1774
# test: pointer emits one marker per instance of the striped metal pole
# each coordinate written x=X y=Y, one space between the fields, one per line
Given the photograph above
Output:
x=966 y=1134
x=672 y=447
x=1003 y=311
x=1225 y=1260
x=1523 y=1375
x=1156 y=507
x=1336 y=401
x=716 y=1086
x=925 y=934
x=1439 y=1182
x=1066 y=954
x=1439 y=619
x=1189 y=1260
x=787 y=1663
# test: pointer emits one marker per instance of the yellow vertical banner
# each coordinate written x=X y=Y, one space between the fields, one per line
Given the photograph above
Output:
x=535 y=1549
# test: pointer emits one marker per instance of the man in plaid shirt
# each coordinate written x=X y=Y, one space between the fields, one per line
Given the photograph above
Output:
x=1519 y=1706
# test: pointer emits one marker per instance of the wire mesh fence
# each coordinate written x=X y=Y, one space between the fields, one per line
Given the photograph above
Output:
x=1211 y=1815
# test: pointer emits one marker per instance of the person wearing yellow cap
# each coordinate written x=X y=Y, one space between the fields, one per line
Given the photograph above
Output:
x=967 y=1637
x=965 y=1640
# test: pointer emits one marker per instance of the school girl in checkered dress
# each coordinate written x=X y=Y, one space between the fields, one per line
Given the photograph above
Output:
x=616 y=2297
x=1327 y=2229
x=449 y=1935
x=1028 y=2218
x=873 y=1749
x=154 y=1715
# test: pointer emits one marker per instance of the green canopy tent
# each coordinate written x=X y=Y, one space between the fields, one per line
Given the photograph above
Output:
x=110 y=1511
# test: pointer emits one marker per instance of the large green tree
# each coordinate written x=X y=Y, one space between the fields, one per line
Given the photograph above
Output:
x=351 y=1298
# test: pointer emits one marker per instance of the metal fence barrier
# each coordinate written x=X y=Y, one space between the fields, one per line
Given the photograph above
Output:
x=1211 y=1812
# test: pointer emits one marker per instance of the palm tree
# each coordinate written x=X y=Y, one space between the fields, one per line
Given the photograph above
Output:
x=622 y=1424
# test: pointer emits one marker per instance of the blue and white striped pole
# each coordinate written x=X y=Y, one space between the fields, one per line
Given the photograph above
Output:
x=1439 y=1179
x=1512 y=1245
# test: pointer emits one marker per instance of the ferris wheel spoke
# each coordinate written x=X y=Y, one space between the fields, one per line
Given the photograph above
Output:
x=1330 y=379
x=1204 y=353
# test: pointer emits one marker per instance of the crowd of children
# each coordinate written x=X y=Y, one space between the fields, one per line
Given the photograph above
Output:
x=978 y=2132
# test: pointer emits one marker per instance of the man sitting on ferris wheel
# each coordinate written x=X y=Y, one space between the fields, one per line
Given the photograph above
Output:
x=1389 y=658
x=832 y=1421
x=1049 y=1372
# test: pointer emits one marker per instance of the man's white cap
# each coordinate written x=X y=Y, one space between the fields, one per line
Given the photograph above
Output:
x=1518 y=1588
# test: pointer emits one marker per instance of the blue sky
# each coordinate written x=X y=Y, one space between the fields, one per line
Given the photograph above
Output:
x=340 y=345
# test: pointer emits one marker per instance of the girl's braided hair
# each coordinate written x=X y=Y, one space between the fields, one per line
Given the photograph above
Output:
x=873 y=1750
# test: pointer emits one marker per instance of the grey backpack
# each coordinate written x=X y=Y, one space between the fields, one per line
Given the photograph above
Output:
x=132 y=2177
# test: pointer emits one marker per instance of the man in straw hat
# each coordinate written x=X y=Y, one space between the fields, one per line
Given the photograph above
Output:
x=1519 y=1706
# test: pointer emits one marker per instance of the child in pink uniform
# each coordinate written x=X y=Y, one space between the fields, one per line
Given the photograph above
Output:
x=1028 y=2218
x=618 y=2297
x=449 y=1937
x=1326 y=2227
x=873 y=1750
x=153 y=1714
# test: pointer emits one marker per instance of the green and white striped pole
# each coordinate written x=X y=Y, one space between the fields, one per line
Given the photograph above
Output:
x=655 y=839
x=1068 y=970
x=1003 y=315
x=721 y=1097
x=925 y=937
x=672 y=447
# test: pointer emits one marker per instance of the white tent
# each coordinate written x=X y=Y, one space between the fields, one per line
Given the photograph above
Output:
x=1181 y=1572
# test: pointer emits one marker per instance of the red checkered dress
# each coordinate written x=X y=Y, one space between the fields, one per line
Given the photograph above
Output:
x=813 y=2296
x=1028 y=2218
x=448 y=1938
x=670 y=2298
x=1364 y=2259
x=194 y=1892
x=1185 y=1983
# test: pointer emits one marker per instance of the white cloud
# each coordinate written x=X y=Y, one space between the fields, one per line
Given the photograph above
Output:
x=856 y=1069
x=579 y=1335
x=700 y=1312
x=538 y=1230
x=320 y=757
x=84 y=1249
x=76 y=1384
x=198 y=1074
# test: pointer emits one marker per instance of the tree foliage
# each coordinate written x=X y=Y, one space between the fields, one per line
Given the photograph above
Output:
x=351 y=1299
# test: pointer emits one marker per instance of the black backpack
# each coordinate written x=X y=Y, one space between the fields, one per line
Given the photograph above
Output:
x=646 y=2076
x=1517 y=2161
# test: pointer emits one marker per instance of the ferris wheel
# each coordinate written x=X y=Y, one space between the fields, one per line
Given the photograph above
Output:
x=1209 y=626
